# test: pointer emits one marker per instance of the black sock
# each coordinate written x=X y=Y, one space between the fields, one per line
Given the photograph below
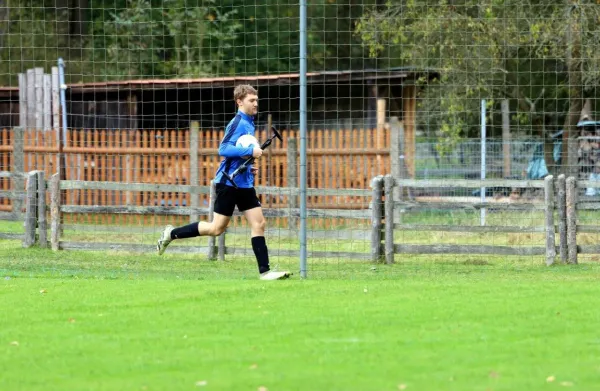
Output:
x=262 y=254
x=187 y=231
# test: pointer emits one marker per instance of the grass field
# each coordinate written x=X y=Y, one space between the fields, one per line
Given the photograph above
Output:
x=110 y=321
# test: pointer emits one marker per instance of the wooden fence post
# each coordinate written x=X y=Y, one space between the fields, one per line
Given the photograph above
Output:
x=376 y=214
x=18 y=169
x=194 y=142
x=55 y=211
x=221 y=247
x=39 y=97
x=30 y=80
x=41 y=210
x=389 y=219
x=22 y=99
x=30 y=211
x=549 y=212
x=561 y=192
x=572 y=220
x=292 y=180
x=211 y=213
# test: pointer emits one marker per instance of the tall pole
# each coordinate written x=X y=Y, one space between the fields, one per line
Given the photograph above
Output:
x=303 y=252
x=483 y=140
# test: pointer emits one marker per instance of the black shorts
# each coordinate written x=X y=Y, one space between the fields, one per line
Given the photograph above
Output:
x=228 y=197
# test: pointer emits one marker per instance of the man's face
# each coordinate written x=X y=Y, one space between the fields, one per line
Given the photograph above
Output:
x=249 y=104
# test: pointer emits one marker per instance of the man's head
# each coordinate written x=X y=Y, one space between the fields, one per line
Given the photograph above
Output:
x=246 y=98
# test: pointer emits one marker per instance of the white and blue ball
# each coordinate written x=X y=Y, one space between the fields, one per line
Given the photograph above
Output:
x=247 y=140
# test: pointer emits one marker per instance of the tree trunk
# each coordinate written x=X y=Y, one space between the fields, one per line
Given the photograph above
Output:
x=549 y=153
x=78 y=22
x=573 y=59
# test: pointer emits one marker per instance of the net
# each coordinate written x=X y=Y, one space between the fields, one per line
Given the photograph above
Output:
x=437 y=131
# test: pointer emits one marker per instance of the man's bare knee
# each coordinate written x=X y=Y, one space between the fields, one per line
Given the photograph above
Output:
x=259 y=225
x=217 y=230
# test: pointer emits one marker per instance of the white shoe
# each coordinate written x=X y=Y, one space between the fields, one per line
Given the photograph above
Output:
x=164 y=240
x=271 y=275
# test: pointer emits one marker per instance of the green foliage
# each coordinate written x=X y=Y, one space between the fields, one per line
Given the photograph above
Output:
x=126 y=39
x=179 y=39
x=488 y=49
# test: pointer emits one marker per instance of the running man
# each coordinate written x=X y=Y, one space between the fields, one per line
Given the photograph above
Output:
x=246 y=98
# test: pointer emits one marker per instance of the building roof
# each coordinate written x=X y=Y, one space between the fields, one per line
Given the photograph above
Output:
x=277 y=79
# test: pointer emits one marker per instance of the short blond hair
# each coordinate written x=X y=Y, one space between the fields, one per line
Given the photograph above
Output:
x=242 y=90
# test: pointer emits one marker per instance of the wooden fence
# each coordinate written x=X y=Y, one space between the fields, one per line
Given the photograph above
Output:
x=335 y=159
x=560 y=198
x=39 y=190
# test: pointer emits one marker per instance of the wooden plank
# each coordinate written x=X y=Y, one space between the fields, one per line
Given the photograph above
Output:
x=180 y=211
x=549 y=214
x=276 y=252
x=571 y=220
x=588 y=228
x=466 y=249
x=56 y=125
x=470 y=228
x=587 y=206
x=151 y=210
x=122 y=186
x=389 y=219
x=561 y=192
x=55 y=218
x=583 y=184
x=147 y=248
x=353 y=234
x=221 y=247
x=142 y=248
x=468 y=206
x=211 y=214
x=8 y=216
x=30 y=210
x=409 y=97
x=194 y=202
x=39 y=98
x=316 y=191
x=292 y=178
x=94 y=185
x=30 y=76
x=22 y=99
x=47 y=102
x=470 y=183
x=13 y=195
x=376 y=215
x=11 y=236
x=41 y=210
x=18 y=169
x=589 y=249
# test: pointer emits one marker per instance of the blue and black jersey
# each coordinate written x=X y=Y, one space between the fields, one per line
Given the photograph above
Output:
x=240 y=125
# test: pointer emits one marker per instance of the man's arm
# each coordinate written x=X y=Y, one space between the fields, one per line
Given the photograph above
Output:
x=227 y=147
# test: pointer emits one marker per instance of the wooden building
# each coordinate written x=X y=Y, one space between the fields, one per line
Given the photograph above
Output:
x=335 y=99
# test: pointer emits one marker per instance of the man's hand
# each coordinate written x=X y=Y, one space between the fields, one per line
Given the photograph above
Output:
x=257 y=152
x=254 y=170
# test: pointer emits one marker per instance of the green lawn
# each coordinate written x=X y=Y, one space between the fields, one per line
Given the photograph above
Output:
x=111 y=321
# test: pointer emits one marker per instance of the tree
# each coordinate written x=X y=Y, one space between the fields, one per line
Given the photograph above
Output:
x=182 y=38
x=482 y=48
